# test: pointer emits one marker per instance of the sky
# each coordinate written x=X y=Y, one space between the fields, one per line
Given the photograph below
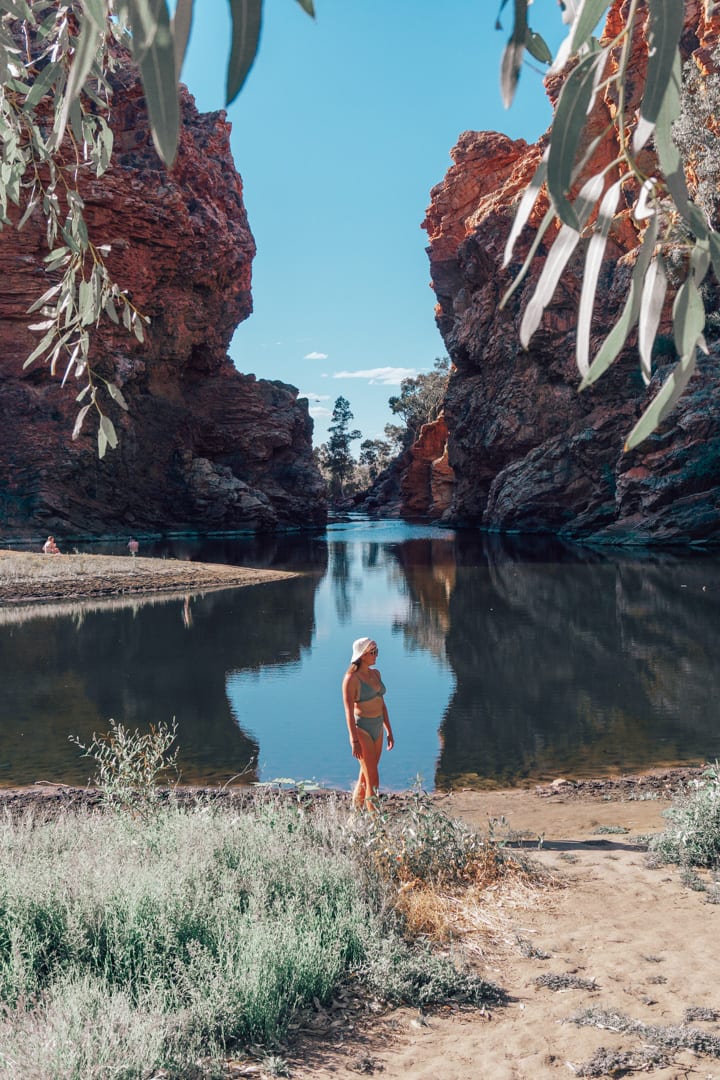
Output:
x=344 y=125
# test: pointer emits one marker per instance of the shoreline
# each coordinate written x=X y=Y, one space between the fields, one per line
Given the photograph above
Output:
x=34 y=578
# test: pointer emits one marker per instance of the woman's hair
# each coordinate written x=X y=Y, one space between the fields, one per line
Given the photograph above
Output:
x=354 y=667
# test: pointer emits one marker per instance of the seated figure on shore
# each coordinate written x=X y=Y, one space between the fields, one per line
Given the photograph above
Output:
x=50 y=547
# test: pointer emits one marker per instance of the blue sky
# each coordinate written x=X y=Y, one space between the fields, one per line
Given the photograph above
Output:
x=344 y=125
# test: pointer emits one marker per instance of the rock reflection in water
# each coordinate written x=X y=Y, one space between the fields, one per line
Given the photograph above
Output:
x=171 y=660
x=591 y=664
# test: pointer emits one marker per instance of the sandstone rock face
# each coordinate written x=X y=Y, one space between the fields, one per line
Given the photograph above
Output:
x=529 y=453
x=202 y=447
x=428 y=481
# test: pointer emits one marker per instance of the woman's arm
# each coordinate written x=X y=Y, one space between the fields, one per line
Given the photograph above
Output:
x=349 y=697
x=386 y=723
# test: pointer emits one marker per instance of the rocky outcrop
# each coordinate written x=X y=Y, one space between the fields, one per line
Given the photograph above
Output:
x=428 y=481
x=202 y=446
x=528 y=452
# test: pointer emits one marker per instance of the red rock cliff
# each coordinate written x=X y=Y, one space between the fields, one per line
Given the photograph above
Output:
x=202 y=446
x=528 y=452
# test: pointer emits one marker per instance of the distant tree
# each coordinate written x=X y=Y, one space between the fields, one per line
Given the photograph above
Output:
x=336 y=460
x=420 y=401
x=375 y=455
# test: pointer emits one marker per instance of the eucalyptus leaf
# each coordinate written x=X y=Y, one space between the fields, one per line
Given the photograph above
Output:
x=714 y=242
x=116 y=394
x=537 y=47
x=87 y=45
x=565 y=243
x=664 y=401
x=108 y=428
x=79 y=421
x=102 y=442
x=159 y=77
x=40 y=349
x=617 y=337
x=180 y=26
x=542 y=229
x=138 y=330
x=572 y=108
x=510 y=65
x=42 y=84
x=111 y=310
x=666 y=18
x=588 y=16
x=651 y=305
x=246 y=24
x=593 y=262
x=525 y=206
x=47 y=295
x=688 y=317
x=669 y=155
x=307 y=5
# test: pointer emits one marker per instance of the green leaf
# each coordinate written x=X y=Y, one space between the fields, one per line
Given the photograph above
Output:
x=80 y=417
x=572 y=109
x=669 y=155
x=537 y=47
x=617 y=337
x=528 y=200
x=593 y=262
x=651 y=305
x=40 y=349
x=42 y=84
x=111 y=310
x=108 y=429
x=565 y=243
x=85 y=51
x=180 y=26
x=307 y=5
x=157 y=68
x=102 y=442
x=589 y=15
x=663 y=401
x=714 y=240
x=246 y=23
x=688 y=317
x=95 y=10
x=138 y=329
x=116 y=394
x=42 y=300
x=542 y=229
x=666 y=24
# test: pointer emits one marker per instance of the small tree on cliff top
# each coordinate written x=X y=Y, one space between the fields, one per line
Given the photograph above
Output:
x=55 y=95
x=420 y=401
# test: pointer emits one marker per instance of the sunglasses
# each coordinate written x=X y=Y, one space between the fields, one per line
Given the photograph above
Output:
x=372 y=650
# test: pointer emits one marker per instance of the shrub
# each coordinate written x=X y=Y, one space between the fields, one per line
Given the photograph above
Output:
x=693 y=835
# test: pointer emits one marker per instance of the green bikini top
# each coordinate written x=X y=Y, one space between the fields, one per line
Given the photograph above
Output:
x=368 y=692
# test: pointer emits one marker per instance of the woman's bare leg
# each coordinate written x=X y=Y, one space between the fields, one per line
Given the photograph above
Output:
x=369 y=780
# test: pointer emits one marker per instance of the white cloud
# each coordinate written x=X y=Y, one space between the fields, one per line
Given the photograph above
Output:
x=316 y=356
x=384 y=376
x=319 y=412
x=312 y=396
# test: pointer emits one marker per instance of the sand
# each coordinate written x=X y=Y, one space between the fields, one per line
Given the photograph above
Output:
x=647 y=941
x=28 y=577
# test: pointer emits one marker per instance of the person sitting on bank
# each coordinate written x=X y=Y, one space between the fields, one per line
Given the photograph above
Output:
x=50 y=547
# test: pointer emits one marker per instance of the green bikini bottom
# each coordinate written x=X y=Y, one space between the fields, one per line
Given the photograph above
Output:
x=373 y=725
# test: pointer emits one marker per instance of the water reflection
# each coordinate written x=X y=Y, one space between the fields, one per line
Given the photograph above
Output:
x=578 y=667
x=142 y=664
x=507 y=661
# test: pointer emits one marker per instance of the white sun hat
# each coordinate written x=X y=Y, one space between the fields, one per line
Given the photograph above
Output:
x=359 y=647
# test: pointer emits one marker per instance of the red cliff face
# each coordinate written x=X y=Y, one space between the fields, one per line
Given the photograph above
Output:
x=202 y=446
x=530 y=453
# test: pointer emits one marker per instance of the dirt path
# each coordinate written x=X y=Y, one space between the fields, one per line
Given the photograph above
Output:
x=644 y=943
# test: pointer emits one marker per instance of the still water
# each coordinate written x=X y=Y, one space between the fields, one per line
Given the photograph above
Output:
x=506 y=661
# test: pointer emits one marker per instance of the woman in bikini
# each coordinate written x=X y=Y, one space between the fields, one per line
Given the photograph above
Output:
x=367 y=715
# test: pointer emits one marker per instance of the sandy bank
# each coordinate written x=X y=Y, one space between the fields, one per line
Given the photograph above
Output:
x=28 y=577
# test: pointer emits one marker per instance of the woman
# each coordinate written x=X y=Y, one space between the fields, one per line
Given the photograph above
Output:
x=367 y=715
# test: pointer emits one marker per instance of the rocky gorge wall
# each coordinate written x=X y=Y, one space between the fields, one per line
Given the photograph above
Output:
x=202 y=446
x=528 y=452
